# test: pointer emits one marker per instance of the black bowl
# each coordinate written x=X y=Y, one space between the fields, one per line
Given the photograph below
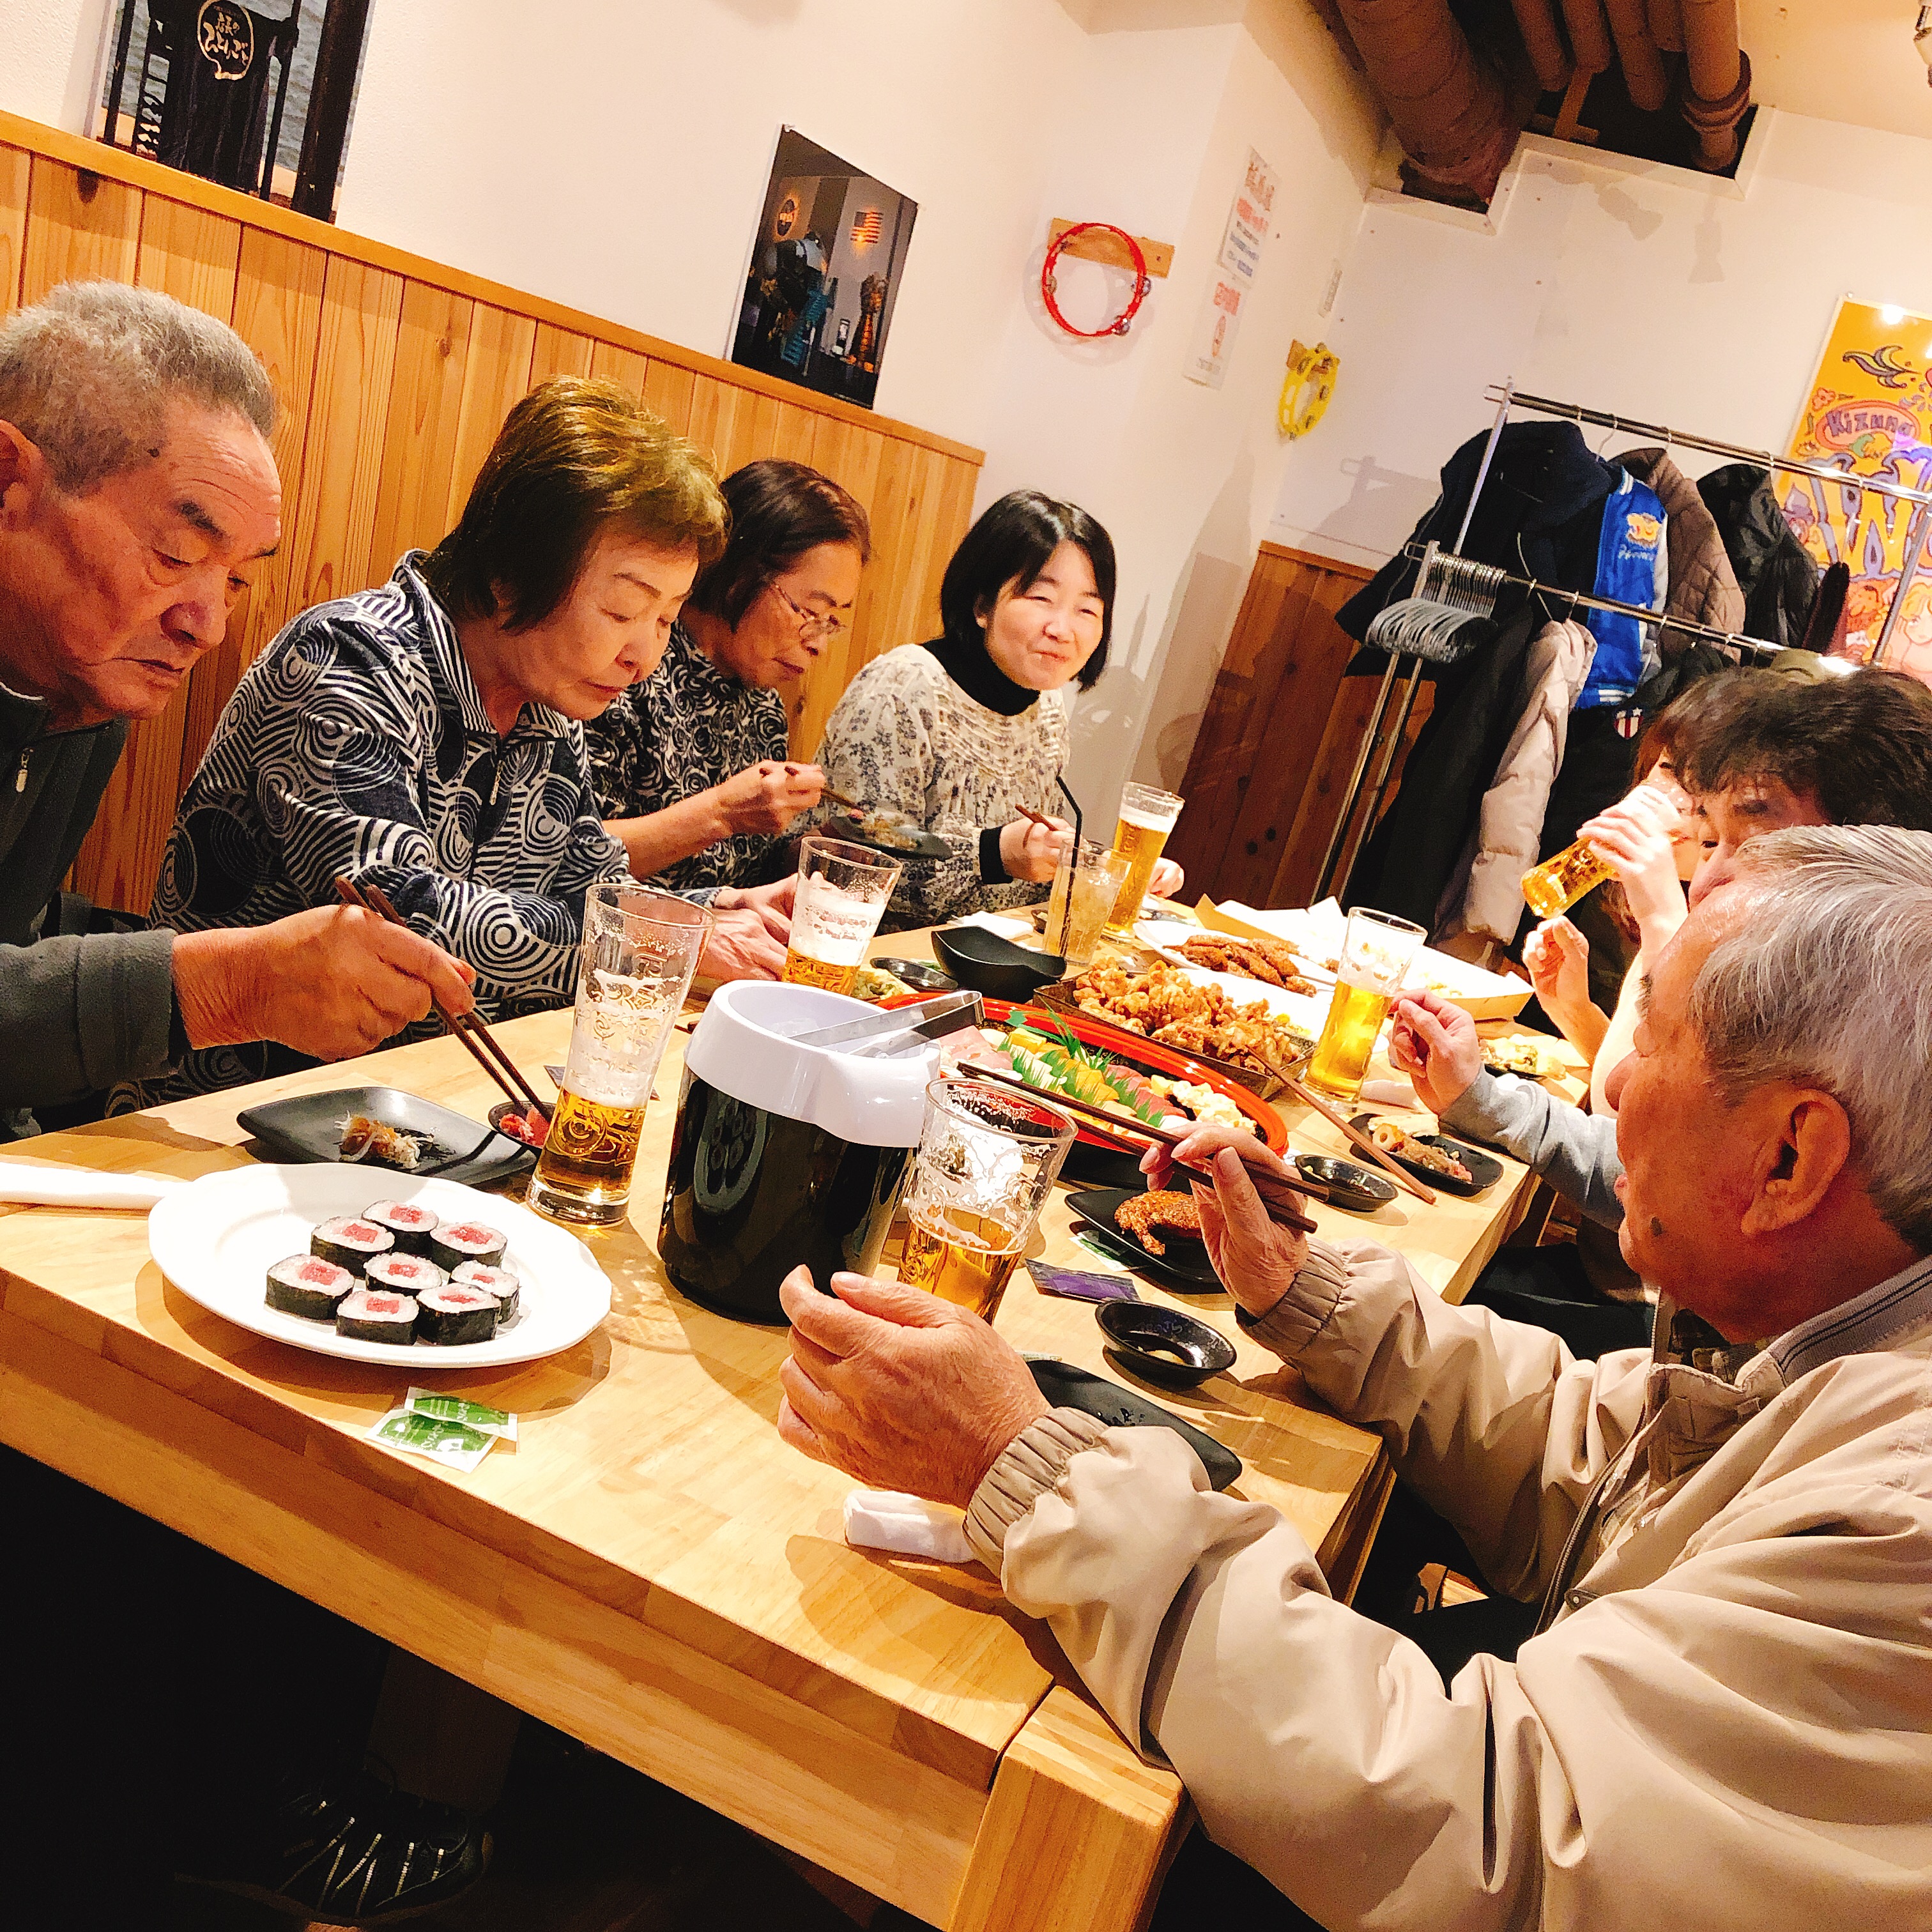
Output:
x=921 y=975
x=996 y=966
x=1163 y=1344
x=1349 y=1187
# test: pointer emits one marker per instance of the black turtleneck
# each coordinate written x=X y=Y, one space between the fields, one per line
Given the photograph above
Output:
x=971 y=668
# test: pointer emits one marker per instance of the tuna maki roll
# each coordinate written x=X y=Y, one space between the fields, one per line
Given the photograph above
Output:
x=411 y=1226
x=497 y=1281
x=456 y=1242
x=456 y=1313
x=350 y=1242
x=307 y=1285
x=377 y=1315
x=404 y=1274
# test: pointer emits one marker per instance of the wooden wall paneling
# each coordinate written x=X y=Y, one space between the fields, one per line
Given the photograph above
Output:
x=502 y=347
x=620 y=364
x=348 y=423
x=278 y=314
x=793 y=437
x=558 y=352
x=425 y=408
x=1264 y=724
x=16 y=172
x=754 y=432
x=668 y=390
x=80 y=226
x=189 y=253
x=1321 y=796
x=714 y=415
x=192 y=255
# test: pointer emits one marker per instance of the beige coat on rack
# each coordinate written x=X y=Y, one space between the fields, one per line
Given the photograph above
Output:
x=1508 y=839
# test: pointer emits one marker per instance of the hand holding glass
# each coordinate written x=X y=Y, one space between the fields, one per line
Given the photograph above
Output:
x=1148 y=815
x=639 y=951
x=988 y=1159
x=1377 y=951
x=842 y=893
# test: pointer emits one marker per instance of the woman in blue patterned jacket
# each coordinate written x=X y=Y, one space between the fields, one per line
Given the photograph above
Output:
x=426 y=736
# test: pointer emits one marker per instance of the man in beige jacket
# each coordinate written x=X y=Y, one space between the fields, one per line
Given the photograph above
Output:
x=1725 y=1719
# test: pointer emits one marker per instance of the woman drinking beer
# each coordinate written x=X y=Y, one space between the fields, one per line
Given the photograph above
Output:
x=966 y=733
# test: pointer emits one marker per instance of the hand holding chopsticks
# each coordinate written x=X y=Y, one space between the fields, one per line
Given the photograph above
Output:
x=467 y=1028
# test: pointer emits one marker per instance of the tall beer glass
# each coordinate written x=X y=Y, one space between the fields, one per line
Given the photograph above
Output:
x=1377 y=952
x=1086 y=883
x=842 y=891
x=1148 y=815
x=988 y=1159
x=1558 y=882
x=640 y=949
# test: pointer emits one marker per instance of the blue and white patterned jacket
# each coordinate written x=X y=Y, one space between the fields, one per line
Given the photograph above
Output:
x=358 y=743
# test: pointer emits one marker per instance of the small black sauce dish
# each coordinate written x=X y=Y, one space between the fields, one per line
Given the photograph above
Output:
x=921 y=975
x=1349 y=1187
x=1163 y=1344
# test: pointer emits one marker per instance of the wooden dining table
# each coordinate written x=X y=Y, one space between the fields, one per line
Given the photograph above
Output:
x=648 y=1567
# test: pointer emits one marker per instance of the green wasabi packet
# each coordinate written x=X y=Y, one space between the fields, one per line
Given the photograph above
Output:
x=451 y=1444
x=476 y=1415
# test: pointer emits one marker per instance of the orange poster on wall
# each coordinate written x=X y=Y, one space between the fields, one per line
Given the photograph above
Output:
x=1869 y=414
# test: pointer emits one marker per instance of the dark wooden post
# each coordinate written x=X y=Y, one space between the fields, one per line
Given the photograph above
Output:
x=331 y=99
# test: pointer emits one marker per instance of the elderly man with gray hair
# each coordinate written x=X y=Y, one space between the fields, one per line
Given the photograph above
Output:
x=138 y=500
x=1723 y=1717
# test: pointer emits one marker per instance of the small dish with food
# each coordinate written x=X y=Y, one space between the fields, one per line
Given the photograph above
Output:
x=1433 y=1159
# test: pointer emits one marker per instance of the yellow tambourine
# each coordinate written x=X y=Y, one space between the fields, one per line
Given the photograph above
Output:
x=1306 y=388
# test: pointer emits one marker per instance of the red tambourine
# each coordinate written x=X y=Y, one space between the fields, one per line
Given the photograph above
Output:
x=1049 y=287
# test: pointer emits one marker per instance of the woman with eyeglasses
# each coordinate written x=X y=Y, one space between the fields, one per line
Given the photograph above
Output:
x=692 y=766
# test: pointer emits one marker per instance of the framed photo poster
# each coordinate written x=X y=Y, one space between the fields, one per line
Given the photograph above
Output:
x=826 y=260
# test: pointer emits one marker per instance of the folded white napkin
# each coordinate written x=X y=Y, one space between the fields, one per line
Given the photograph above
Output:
x=1390 y=1093
x=44 y=1185
x=909 y=1526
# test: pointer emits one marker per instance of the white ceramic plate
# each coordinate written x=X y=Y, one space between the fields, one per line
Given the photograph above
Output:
x=216 y=1239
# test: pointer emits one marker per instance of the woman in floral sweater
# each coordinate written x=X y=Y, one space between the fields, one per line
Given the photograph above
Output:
x=962 y=733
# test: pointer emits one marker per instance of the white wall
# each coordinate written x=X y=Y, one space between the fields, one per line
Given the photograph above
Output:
x=48 y=52
x=1641 y=294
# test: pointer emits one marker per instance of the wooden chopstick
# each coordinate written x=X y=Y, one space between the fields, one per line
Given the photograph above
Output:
x=839 y=798
x=1116 y=1130
x=1038 y=817
x=1336 y=1118
x=470 y=1031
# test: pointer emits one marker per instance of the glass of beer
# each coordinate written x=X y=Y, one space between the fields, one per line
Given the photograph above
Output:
x=988 y=1159
x=1558 y=883
x=842 y=891
x=640 y=950
x=1377 y=952
x=1086 y=884
x=1148 y=815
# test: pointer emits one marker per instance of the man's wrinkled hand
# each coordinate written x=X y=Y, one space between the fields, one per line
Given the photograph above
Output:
x=743 y=944
x=899 y=1389
x=1434 y=1042
x=1255 y=1256
x=331 y=982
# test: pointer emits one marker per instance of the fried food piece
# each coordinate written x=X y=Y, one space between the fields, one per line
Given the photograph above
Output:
x=1273 y=962
x=1168 y=1007
x=1161 y=1210
x=1404 y=1146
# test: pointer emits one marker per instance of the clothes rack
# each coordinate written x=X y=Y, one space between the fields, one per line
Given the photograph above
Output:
x=1449 y=572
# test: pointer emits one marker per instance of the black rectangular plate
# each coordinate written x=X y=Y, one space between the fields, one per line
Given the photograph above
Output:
x=1066 y=1387
x=930 y=847
x=307 y=1128
x=1485 y=1169
x=1185 y=1264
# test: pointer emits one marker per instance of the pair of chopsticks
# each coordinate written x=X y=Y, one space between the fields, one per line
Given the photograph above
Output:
x=474 y=1035
x=1338 y=1119
x=1272 y=1191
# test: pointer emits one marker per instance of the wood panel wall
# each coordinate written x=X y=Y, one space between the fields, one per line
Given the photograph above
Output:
x=1278 y=739
x=394 y=374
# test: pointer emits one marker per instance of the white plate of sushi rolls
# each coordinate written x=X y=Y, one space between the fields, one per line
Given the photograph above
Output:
x=286 y=1251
